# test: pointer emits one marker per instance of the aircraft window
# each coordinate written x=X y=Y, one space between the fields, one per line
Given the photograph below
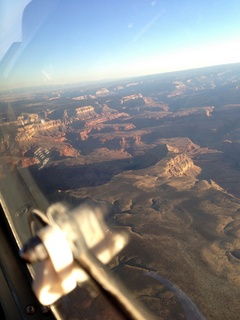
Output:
x=132 y=108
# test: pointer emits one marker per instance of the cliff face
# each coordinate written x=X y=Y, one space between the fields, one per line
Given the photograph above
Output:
x=87 y=112
x=178 y=166
x=29 y=130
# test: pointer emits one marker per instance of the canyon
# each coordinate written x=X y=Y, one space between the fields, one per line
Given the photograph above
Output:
x=161 y=154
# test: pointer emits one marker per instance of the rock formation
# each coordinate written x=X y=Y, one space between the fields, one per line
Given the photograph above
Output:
x=178 y=165
x=29 y=130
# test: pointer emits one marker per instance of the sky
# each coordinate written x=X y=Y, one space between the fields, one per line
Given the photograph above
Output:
x=57 y=41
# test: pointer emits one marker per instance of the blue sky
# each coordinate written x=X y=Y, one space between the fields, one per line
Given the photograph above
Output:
x=70 y=41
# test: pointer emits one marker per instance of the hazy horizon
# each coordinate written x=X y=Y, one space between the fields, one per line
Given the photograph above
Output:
x=108 y=81
x=81 y=42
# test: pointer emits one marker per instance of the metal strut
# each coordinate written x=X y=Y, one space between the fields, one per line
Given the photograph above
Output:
x=75 y=246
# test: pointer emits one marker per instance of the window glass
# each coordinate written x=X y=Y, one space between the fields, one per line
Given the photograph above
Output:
x=133 y=107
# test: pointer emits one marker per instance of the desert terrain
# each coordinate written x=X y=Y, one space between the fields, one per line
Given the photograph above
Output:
x=161 y=154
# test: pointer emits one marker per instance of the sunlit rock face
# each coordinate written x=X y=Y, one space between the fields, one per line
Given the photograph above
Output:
x=179 y=165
